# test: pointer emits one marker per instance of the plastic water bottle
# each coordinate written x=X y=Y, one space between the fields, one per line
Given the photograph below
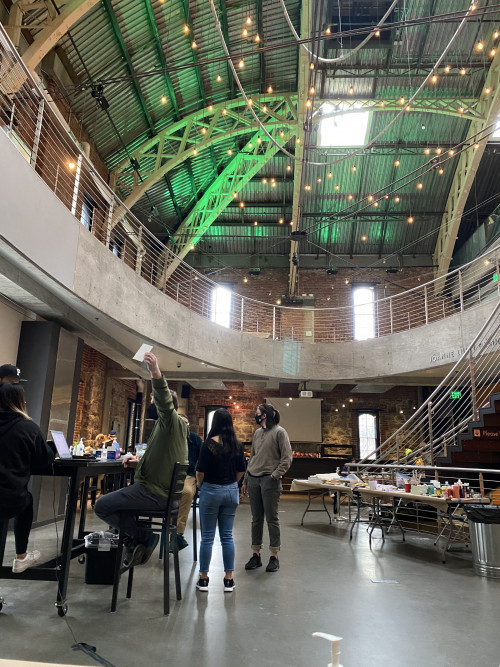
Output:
x=117 y=449
x=80 y=450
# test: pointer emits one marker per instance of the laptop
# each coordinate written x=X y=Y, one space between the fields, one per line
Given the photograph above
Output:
x=61 y=444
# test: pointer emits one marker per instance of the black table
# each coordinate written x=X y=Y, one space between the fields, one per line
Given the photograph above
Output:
x=57 y=569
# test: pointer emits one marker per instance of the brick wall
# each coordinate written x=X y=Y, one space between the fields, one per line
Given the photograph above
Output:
x=339 y=423
x=89 y=414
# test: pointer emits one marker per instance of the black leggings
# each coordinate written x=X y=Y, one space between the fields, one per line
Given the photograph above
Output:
x=23 y=518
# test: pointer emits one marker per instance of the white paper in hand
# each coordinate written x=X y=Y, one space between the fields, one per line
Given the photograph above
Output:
x=139 y=355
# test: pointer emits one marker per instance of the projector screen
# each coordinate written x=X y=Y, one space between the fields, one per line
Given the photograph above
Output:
x=301 y=418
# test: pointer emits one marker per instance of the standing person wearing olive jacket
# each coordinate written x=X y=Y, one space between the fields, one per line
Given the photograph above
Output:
x=270 y=458
x=23 y=451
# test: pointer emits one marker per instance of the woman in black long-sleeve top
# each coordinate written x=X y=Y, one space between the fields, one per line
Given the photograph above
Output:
x=23 y=451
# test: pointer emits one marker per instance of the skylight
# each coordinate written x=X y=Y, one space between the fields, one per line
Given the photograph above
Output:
x=495 y=136
x=343 y=129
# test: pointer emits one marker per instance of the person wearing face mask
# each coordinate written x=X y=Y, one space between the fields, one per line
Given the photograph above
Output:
x=270 y=458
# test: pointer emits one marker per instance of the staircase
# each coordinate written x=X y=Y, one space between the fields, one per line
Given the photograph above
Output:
x=479 y=445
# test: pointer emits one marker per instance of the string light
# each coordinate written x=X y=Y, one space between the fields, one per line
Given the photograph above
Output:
x=195 y=151
x=257 y=38
x=427 y=151
x=349 y=197
x=375 y=204
x=244 y=33
x=250 y=102
x=297 y=141
x=397 y=163
x=409 y=220
x=447 y=69
x=441 y=171
x=235 y=194
x=264 y=181
x=281 y=221
x=397 y=200
x=364 y=238
x=370 y=197
x=420 y=186
x=282 y=134
x=194 y=45
x=241 y=64
x=248 y=21
x=242 y=204
x=191 y=247
x=311 y=66
x=308 y=104
x=434 y=78
x=210 y=107
x=463 y=71
x=328 y=31
x=219 y=78
x=163 y=99
x=451 y=152
x=307 y=187
x=269 y=89
x=496 y=34
x=255 y=223
x=401 y=100
x=264 y=109
x=337 y=187
x=229 y=151
x=71 y=165
x=439 y=151
x=319 y=180
x=224 y=112
x=487 y=91
x=354 y=168
x=259 y=140
x=351 y=90
x=312 y=90
x=476 y=146
x=492 y=53
x=289 y=167
x=377 y=33
x=245 y=280
x=381 y=104
x=479 y=46
x=203 y=130
x=185 y=29
x=461 y=109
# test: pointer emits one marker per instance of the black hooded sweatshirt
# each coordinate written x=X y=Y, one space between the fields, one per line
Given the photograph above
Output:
x=23 y=451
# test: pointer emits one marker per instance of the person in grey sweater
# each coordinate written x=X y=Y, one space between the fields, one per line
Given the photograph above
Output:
x=270 y=458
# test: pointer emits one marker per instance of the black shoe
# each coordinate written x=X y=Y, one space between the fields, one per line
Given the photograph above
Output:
x=133 y=555
x=153 y=540
x=202 y=585
x=273 y=565
x=182 y=542
x=254 y=562
x=228 y=585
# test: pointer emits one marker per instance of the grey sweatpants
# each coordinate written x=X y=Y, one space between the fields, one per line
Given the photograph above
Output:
x=264 y=494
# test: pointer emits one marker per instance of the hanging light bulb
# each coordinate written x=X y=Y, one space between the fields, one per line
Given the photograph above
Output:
x=337 y=187
x=434 y=78
x=203 y=130
x=259 y=140
x=476 y=146
x=496 y=34
x=281 y=221
x=191 y=247
x=427 y=151
x=244 y=33
x=242 y=204
x=311 y=66
x=319 y=180
x=219 y=78
x=409 y=220
x=229 y=151
x=330 y=175
x=377 y=33
x=351 y=90
x=479 y=46
x=463 y=71
x=71 y=165
x=441 y=171
x=282 y=134
x=381 y=104
x=312 y=90
x=439 y=151
x=420 y=186
x=401 y=100
x=194 y=45
x=447 y=69
x=256 y=38
x=492 y=53
x=354 y=168
x=210 y=107
x=224 y=112
x=241 y=64
x=397 y=200
x=375 y=204
x=349 y=197
x=461 y=110
x=269 y=89
x=264 y=109
x=264 y=181
x=245 y=279
x=248 y=21
x=487 y=91
x=195 y=151
x=328 y=31
x=185 y=29
x=397 y=163
x=249 y=101
x=255 y=223
x=451 y=152
x=297 y=141
x=289 y=167
x=364 y=238
x=308 y=103
x=235 y=194
x=163 y=99
x=370 y=197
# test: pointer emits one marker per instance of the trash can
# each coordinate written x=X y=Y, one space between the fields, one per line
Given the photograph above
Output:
x=100 y=557
x=484 y=529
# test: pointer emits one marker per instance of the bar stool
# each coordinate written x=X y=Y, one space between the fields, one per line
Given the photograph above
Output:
x=157 y=522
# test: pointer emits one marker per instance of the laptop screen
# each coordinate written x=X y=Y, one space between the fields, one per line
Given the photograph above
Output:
x=61 y=444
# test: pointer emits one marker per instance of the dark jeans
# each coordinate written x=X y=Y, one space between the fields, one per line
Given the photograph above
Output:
x=22 y=522
x=264 y=494
x=119 y=509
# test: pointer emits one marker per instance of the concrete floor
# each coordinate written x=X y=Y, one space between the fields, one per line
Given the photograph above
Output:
x=436 y=614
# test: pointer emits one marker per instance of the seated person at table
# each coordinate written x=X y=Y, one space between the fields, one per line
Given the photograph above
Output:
x=23 y=451
x=167 y=445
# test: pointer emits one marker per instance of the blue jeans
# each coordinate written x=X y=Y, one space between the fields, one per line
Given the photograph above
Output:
x=218 y=503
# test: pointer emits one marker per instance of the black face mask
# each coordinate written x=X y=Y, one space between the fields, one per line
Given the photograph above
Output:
x=258 y=419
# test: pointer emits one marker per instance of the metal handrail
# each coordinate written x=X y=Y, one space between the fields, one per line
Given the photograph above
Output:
x=38 y=129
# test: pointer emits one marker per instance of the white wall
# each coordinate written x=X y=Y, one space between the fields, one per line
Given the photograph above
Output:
x=11 y=318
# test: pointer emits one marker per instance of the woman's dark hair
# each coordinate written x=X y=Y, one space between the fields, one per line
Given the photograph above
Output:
x=222 y=425
x=12 y=399
x=272 y=415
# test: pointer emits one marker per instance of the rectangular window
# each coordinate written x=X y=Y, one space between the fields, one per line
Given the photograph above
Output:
x=116 y=246
x=221 y=305
x=368 y=435
x=87 y=217
x=363 y=300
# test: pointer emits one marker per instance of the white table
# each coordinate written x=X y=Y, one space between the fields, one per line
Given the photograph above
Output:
x=319 y=490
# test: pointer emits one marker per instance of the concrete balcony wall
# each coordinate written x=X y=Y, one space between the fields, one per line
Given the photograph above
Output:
x=40 y=236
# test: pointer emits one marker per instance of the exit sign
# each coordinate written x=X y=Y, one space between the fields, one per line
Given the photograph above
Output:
x=456 y=394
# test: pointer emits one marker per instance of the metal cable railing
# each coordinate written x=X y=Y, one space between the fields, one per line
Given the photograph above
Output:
x=436 y=425
x=36 y=127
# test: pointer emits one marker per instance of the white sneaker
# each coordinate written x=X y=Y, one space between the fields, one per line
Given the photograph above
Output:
x=21 y=564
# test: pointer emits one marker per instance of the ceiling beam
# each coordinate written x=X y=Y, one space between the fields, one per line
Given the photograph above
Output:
x=303 y=93
x=222 y=191
x=465 y=174
x=55 y=29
